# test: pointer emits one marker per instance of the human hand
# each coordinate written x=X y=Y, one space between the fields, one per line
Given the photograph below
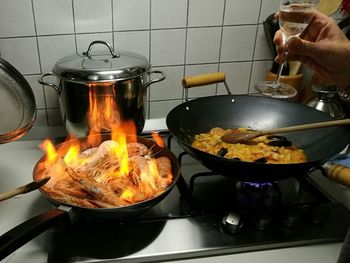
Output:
x=322 y=46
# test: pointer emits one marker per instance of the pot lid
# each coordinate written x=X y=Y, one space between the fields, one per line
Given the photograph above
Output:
x=17 y=104
x=98 y=66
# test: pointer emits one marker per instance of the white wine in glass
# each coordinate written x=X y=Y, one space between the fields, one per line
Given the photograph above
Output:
x=294 y=16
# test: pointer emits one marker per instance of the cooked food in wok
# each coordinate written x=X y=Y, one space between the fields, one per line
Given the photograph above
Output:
x=265 y=149
x=106 y=176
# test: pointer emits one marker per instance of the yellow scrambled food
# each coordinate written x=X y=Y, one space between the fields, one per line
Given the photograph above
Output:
x=264 y=149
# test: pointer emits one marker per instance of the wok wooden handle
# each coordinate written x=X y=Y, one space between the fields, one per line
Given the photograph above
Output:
x=24 y=189
x=340 y=174
x=203 y=79
x=307 y=126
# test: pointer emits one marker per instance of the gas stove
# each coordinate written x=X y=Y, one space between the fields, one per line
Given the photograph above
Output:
x=205 y=217
x=208 y=214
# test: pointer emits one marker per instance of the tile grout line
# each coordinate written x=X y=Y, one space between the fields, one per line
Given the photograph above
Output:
x=40 y=64
x=253 y=55
x=185 y=51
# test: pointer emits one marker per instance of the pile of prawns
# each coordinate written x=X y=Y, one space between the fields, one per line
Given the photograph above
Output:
x=95 y=180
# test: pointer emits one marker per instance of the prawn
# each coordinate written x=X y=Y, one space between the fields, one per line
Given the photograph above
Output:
x=98 y=191
x=62 y=197
x=136 y=148
x=164 y=169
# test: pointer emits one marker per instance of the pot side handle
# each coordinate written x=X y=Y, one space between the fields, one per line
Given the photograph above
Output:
x=45 y=83
x=26 y=231
x=155 y=80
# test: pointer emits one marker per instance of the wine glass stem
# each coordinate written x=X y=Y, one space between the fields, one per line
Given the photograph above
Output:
x=279 y=73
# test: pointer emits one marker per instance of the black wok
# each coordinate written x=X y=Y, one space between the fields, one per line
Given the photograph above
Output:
x=66 y=214
x=255 y=112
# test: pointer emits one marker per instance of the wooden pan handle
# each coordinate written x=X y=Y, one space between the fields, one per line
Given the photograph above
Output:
x=204 y=79
x=340 y=174
x=24 y=189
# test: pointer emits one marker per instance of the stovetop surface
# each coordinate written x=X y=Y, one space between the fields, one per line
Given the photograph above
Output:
x=188 y=222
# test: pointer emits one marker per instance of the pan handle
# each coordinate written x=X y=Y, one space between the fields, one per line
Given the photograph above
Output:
x=23 y=233
x=204 y=79
x=339 y=173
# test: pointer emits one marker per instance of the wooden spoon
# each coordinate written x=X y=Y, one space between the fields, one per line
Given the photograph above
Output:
x=24 y=189
x=245 y=136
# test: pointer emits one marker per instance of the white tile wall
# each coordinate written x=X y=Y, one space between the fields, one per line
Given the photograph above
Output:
x=10 y=11
x=203 y=45
x=131 y=14
x=168 y=14
x=240 y=12
x=238 y=43
x=101 y=10
x=168 y=47
x=205 y=12
x=171 y=87
x=137 y=41
x=237 y=77
x=179 y=37
x=53 y=17
x=52 y=48
x=22 y=53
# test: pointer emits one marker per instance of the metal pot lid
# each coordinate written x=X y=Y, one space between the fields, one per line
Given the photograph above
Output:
x=17 y=104
x=97 y=66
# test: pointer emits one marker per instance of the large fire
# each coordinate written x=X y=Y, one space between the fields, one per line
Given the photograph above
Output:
x=100 y=172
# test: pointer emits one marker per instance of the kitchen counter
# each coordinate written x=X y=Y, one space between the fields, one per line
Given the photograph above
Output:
x=17 y=160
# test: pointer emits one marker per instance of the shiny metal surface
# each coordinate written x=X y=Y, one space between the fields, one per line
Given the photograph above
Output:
x=122 y=77
x=326 y=101
x=127 y=95
x=17 y=104
x=175 y=239
x=101 y=66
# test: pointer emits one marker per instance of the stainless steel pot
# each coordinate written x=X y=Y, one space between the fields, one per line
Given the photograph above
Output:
x=92 y=82
x=326 y=101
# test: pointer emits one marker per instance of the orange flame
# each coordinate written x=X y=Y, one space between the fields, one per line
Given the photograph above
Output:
x=72 y=153
x=104 y=116
x=50 y=150
x=127 y=195
x=103 y=111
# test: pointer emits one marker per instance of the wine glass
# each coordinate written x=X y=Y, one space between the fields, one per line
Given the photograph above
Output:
x=294 y=16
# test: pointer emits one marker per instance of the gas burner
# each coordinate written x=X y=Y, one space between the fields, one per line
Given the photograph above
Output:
x=257 y=196
x=254 y=185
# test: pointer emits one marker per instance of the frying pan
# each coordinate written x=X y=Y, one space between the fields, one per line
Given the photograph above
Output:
x=258 y=113
x=68 y=214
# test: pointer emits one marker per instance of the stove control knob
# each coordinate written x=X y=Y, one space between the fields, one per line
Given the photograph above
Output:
x=262 y=221
x=319 y=214
x=291 y=217
x=232 y=222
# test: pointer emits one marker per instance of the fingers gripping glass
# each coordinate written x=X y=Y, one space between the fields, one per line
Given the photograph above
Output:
x=294 y=16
